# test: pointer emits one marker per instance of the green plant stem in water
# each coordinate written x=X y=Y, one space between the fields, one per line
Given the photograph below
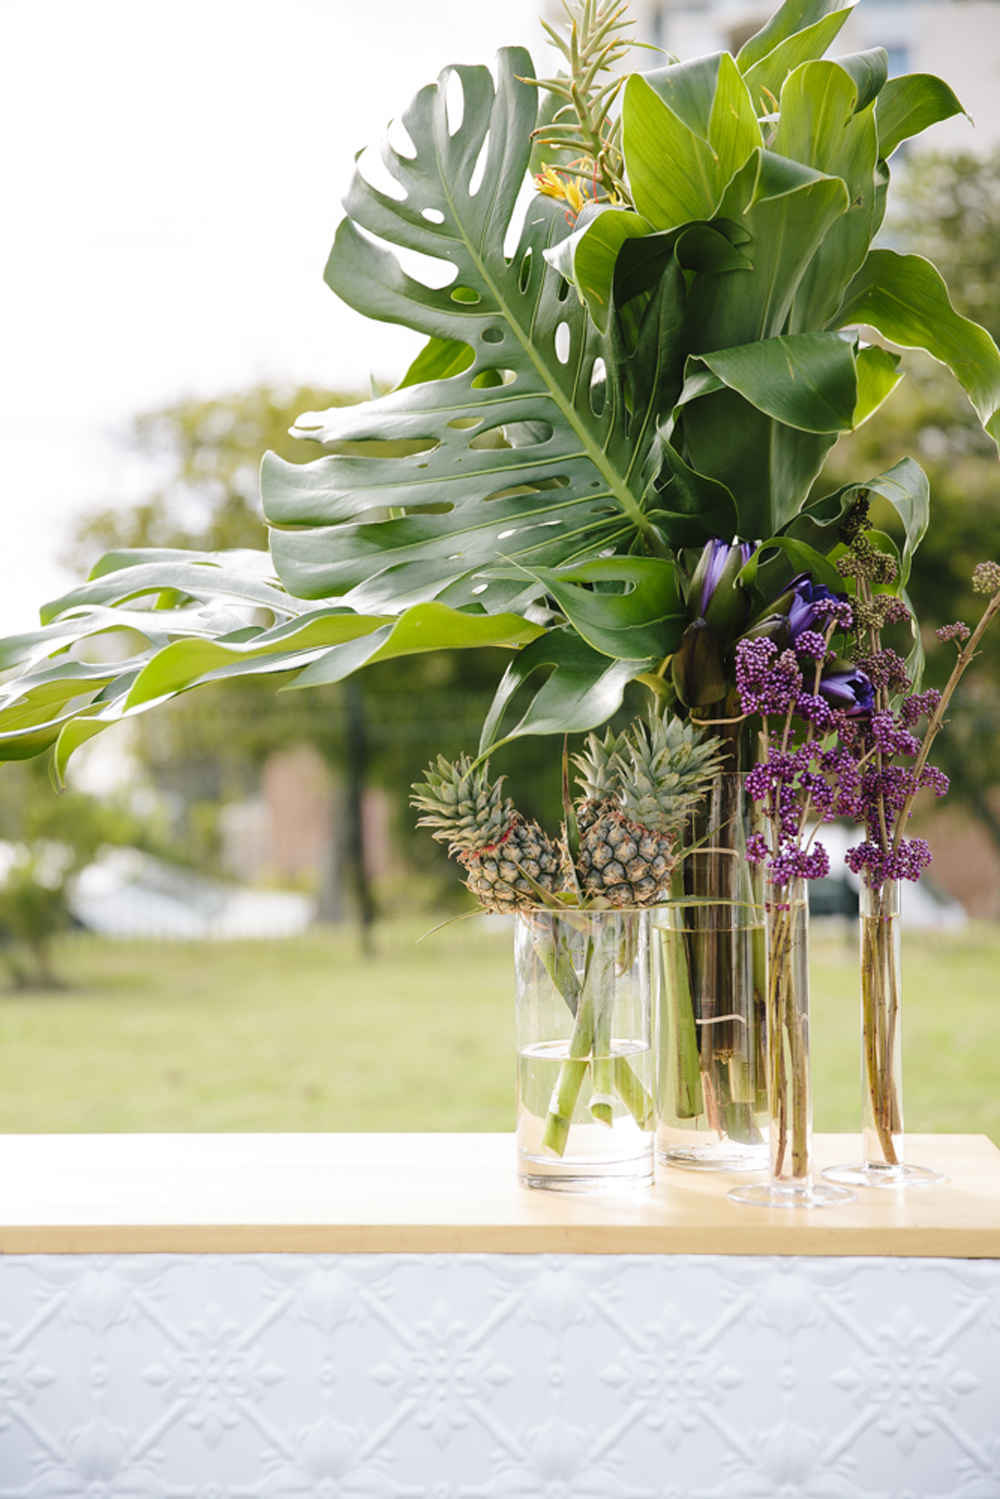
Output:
x=789 y=1063
x=880 y=1017
x=571 y=1075
x=590 y=1001
x=681 y=1032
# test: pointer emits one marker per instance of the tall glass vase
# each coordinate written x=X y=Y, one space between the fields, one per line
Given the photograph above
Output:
x=882 y=1140
x=709 y=970
x=585 y=1111
x=791 y=1181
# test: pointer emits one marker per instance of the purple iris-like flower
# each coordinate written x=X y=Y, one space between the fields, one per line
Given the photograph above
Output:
x=718 y=556
x=851 y=691
x=804 y=614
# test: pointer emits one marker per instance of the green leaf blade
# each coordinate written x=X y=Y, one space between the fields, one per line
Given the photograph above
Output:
x=904 y=297
x=909 y=105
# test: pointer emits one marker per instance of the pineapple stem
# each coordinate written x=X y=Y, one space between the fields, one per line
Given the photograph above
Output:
x=602 y=1102
x=574 y=1069
x=562 y=1105
x=590 y=1047
x=636 y=1098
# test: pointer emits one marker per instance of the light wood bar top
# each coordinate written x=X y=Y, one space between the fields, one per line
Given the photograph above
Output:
x=431 y=1193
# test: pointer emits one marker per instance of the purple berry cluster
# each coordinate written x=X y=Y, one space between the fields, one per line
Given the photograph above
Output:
x=838 y=726
x=812 y=782
x=846 y=746
x=768 y=680
x=878 y=864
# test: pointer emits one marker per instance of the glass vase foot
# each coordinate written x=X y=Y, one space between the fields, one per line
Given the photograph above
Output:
x=770 y=1195
x=596 y=1176
x=591 y=1186
x=721 y=1155
x=871 y=1174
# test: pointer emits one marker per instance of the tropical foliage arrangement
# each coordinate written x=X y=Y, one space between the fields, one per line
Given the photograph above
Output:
x=647 y=326
x=660 y=354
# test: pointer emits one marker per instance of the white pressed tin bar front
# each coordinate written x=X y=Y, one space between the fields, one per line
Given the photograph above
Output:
x=228 y=1316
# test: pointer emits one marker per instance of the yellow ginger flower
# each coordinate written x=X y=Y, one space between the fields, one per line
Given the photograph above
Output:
x=573 y=192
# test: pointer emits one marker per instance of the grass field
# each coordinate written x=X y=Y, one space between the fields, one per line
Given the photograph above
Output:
x=307 y=1035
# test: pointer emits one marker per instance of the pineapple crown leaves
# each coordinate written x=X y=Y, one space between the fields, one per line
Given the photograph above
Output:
x=460 y=806
x=600 y=766
x=657 y=771
x=571 y=825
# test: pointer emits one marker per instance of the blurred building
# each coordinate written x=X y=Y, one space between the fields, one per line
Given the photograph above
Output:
x=966 y=862
x=957 y=39
x=291 y=831
x=126 y=893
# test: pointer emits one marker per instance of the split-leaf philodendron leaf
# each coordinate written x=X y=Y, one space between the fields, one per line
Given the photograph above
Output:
x=597 y=392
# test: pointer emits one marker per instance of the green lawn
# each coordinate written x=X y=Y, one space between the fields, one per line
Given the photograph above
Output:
x=306 y=1035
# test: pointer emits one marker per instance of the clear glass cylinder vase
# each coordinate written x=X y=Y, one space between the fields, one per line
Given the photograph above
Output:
x=585 y=1110
x=791 y=1181
x=883 y=1161
x=710 y=981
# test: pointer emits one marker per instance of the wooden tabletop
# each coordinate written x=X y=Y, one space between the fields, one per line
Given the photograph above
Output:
x=127 y=1194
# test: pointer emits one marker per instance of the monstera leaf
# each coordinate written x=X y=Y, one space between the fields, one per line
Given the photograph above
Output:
x=532 y=453
x=200 y=625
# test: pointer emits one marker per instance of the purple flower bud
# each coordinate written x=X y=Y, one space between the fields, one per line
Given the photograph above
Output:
x=714 y=556
x=810 y=604
x=851 y=691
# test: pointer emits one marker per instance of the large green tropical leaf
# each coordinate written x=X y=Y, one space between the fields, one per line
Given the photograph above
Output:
x=802 y=558
x=629 y=608
x=171 y=575
x=583 y=689
x=589 y=256
x=787 y=208
x=530 y=453
x=210 y=636
x=766 y=77
x=909 y=105
x=904 y=297
x=791 y=19
x=767 y=466
x=319 y=641
x=686 y=130
x=878 y=375
x=803 y=380
x=822 y=126
x=595 y=259
x=194 y=598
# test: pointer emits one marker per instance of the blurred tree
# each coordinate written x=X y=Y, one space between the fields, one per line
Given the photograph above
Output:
x=380 y=728
x=48 y=839
x=948 y=208
x=208 y=454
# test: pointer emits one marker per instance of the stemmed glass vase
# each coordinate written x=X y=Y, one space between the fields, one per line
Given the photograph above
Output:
x=882 y=1139
x=791 y=1182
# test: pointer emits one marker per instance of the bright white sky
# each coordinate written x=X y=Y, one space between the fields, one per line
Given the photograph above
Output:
x=171 y=174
